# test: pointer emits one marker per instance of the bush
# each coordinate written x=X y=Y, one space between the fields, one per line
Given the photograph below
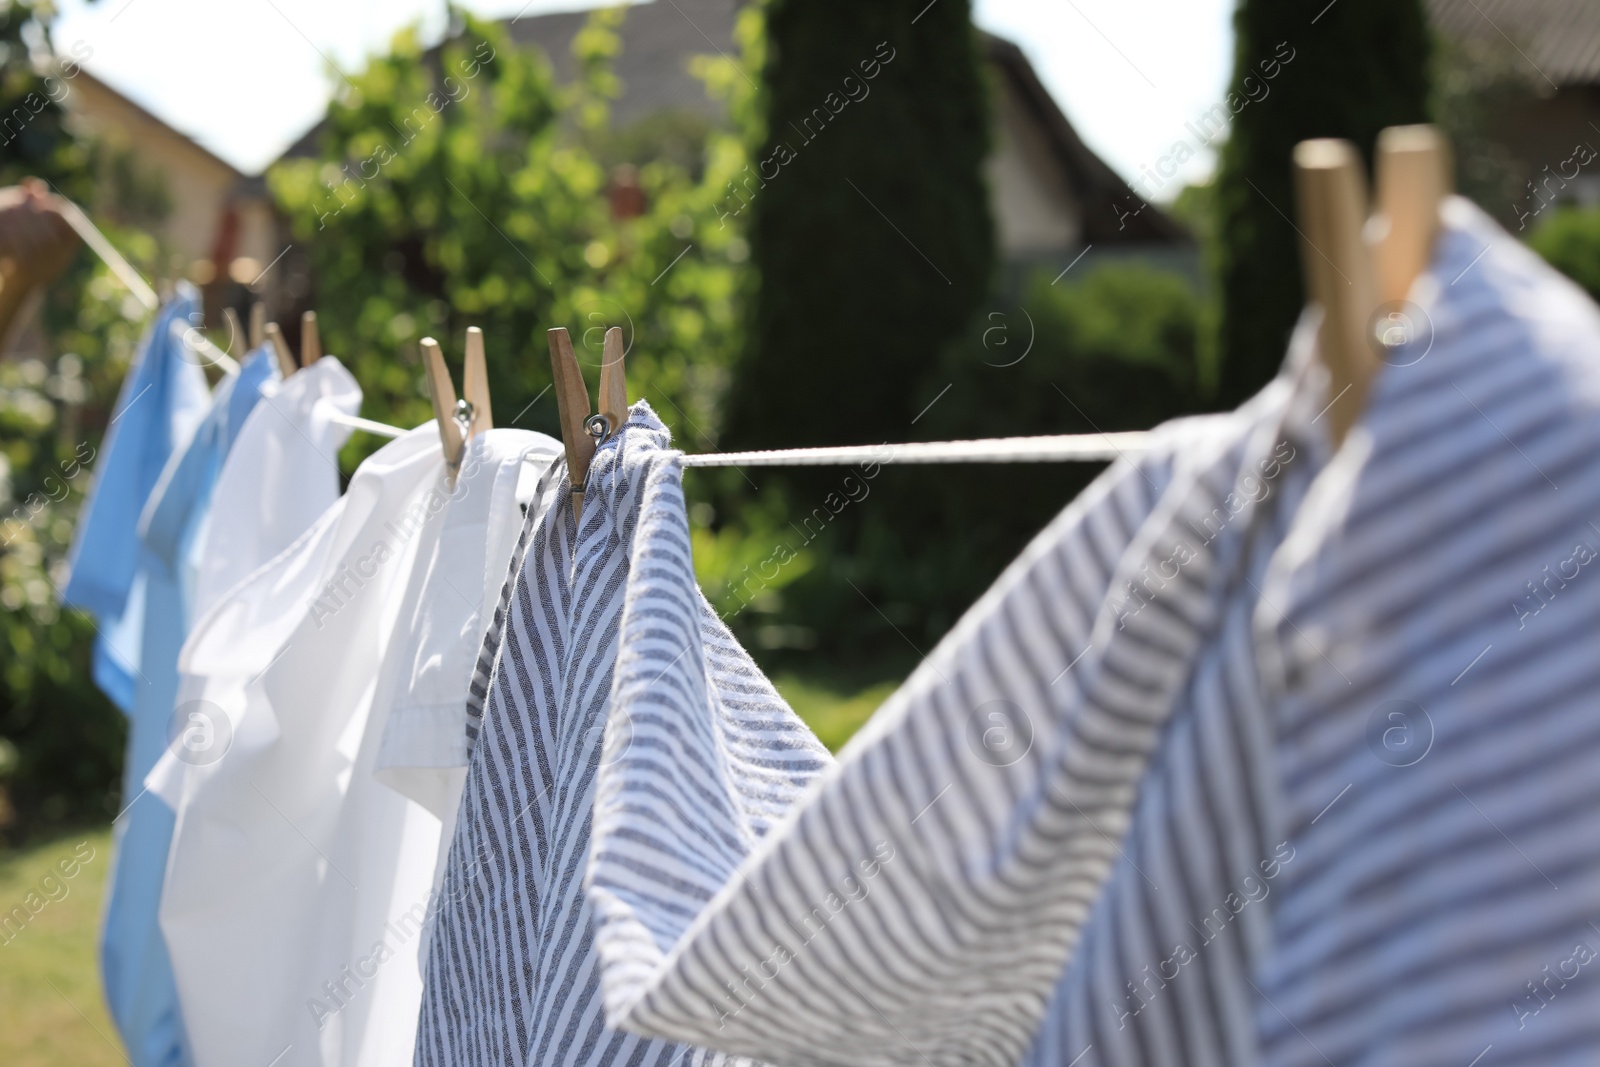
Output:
x=462 y=187
x=888 y=559
x=60 y=740
x=1570 y=241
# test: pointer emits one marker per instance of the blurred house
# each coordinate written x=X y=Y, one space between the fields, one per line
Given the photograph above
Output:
x=216 y=213
x=215 y=225
x=1052 y=196
x=1557 y=128
x=217 y=222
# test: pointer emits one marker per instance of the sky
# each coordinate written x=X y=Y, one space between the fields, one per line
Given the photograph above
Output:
x=245 y=78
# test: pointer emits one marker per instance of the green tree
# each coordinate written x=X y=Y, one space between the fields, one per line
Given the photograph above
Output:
x=459 y=186
x=33 y=83
x=1481 y=85
x=1357 y=66
x=60 y=739
x=870 y=227
x=1570 y=240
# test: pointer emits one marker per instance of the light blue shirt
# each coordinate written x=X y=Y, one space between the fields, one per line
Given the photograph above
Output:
x=163 y=400
x=157 y=574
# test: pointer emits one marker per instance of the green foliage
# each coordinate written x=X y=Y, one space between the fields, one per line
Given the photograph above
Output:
x=1361 y=67
x=33 y=142
x=870 y=228
x=1479 y=84
x=745 y=565
x=895 y=554
x=60 y=740
x=461 y=187
x=677 y=137
x=1570 y=240
x=63 y=738
x=1196 y=207
x=873 y=247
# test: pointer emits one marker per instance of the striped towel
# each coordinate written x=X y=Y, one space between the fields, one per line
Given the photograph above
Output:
x=511 y=975
x=1258 y=754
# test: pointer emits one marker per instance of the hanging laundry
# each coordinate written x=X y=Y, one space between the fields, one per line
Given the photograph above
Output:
x=298 y=884
x=925 y=899
x=1206 y=778
x=163 y=399
x=176 y=522
x=134 y=964
x=279 y=478
x=1436 y=760
x=511 y=972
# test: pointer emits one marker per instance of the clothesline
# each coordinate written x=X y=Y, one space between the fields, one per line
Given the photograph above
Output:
x=367 y=684
x=1086 y=448
x=108 y=254
x=1059 y=448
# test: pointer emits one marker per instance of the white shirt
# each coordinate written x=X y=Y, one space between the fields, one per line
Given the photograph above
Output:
x=280 y=476
x=298 y=885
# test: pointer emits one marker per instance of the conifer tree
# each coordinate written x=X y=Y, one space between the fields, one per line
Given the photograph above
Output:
x=1350 y=69
x=869 y=216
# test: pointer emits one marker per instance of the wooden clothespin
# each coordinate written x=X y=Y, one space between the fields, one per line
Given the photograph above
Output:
x=475 y=383
x=258 y=324
x=580 y=433
x=281 y=347
x=1346 y=276
x=310 y=340
x=458 y=422
x=1413 y=178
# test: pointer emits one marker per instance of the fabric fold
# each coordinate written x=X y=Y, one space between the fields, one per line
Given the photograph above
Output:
x=922 y=901
x=512 y=975
x=1228 y=768
x=169 y=533
x=161 y=403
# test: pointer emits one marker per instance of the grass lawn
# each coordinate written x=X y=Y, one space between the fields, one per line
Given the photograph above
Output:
x=51 y=1012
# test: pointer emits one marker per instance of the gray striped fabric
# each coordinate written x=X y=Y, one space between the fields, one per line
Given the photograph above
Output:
x=478 y=689
x=921 y=906
x=511 y=974
x=1256 y=755
x=1438 y=742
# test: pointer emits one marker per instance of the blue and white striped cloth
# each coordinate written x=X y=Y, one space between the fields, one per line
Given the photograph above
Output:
x=1258 y=755
x=511 y=974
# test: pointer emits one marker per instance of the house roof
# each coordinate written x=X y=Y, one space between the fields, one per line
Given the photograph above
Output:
x=1560 y=38
x=658 y=39
x=1101 y=189
x=83 y=77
